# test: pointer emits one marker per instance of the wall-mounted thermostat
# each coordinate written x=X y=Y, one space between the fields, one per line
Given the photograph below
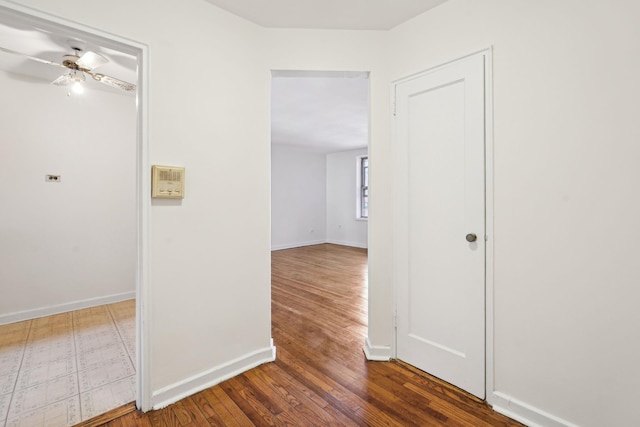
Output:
x=167 y=182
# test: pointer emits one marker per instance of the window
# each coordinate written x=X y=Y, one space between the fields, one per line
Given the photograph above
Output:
x=364 y=188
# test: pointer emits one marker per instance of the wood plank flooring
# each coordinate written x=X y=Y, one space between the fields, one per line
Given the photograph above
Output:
x=321 y=377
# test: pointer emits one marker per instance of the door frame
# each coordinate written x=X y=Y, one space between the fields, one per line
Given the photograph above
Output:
x=488 y=187
x=143 y=178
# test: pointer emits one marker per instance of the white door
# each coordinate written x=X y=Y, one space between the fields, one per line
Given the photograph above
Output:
x=439 y=209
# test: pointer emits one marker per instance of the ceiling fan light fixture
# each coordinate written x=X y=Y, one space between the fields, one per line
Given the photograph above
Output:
x=77 y=87
x=78 y=77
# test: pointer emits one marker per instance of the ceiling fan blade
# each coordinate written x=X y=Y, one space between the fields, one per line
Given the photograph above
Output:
x=91 y=60
x=63 y=80
x=113 y=82
x=33 y=58
x=67 y=79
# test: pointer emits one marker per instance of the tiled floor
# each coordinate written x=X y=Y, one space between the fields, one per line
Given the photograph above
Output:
x=63 y=369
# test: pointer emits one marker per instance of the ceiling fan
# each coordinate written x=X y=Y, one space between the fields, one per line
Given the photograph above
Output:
x=79 y=64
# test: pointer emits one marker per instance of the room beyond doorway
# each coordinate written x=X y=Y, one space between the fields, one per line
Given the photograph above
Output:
x=118 y=51
x=319 y=136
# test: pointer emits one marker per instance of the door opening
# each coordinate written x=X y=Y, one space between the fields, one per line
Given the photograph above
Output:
x=319 y=138
x=319 y=135
x=47 y=30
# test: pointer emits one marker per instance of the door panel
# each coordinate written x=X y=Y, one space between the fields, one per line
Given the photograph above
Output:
x=439 y=143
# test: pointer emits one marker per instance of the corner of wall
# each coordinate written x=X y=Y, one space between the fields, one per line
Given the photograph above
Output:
x=377 y=353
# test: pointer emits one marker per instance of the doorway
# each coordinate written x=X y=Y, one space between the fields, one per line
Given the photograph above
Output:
x=40 y=27
x=319 y=159
x=440 y=222
x=319 y=136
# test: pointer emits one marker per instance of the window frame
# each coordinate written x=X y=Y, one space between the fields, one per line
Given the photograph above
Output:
x=362 y=191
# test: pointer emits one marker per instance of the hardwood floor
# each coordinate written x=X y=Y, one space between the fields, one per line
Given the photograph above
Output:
x=321 y=377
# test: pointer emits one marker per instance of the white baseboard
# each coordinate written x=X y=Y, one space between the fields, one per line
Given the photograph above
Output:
x=297 y=245
x=344 y=243
x=318 y=242
x=378 y=353
x=174 y=392
x=525 y=413
x=19 y=316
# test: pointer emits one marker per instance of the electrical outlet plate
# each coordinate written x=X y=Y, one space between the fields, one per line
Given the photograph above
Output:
x=167 y=182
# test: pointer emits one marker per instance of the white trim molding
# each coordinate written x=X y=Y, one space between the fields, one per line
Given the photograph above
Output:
x=489 y=226
x=143 y=185
x=174 y=392
x=297 y=245
x=318 y=242
x=19 y=316
x=377 y=353
x=525 y=413
x=350 y=244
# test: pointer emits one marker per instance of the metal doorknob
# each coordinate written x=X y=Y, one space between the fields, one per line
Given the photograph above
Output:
x=471 y=237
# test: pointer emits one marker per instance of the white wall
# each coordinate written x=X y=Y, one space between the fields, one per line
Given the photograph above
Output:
x=342 y=193
x=298 y=197
x=73 y=243
x=566 y=110
x=313 y=198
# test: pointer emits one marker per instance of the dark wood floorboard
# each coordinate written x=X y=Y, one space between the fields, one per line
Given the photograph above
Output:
x=321 y=377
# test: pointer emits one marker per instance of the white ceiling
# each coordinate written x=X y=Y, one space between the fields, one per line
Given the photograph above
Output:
x=320 y=111
x=324 y=112
x=328 y=14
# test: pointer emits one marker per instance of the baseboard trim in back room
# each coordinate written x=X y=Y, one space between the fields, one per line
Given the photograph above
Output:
x=346 y=243
x=318 y=242
x=19 y=316
x=296 y=245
